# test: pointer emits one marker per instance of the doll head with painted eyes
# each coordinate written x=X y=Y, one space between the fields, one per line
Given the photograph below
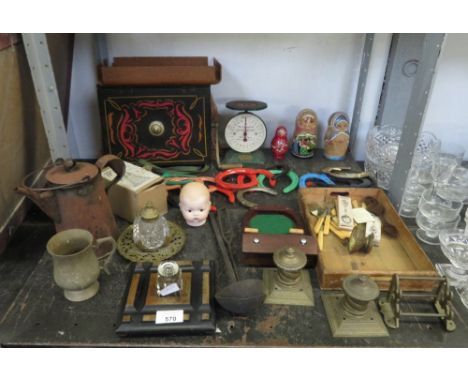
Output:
x=194 y=203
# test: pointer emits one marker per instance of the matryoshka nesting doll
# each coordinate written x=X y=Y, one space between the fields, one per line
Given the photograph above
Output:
x=336 y=138
x=305 y=134
x=279 y=144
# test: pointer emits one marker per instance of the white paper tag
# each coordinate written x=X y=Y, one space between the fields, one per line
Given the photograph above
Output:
x=374 y=227
x=171 y=288
x=344 y=212
x=361 y=215
x=169 y=317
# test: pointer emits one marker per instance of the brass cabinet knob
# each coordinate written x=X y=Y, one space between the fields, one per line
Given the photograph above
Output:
x=156 y=128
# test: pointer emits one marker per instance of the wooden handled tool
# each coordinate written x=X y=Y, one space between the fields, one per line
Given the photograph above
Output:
x=320 y=240
x=326 y=225
x=318 y=224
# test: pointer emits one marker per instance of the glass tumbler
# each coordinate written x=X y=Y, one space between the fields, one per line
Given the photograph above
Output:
x=420 y=178
x=456 y=187
x=429 y=229
x=381 y=149
x=454 y=245
x=450 y=156
x=434 y=215
x=435 y=208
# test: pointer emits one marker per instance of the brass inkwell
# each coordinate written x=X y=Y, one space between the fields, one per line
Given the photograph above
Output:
x=353 y=312
x=289 y=284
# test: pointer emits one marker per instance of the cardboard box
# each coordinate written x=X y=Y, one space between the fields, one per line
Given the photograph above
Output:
x=137 y=187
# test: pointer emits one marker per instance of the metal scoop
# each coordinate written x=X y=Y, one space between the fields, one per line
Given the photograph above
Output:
x=239 y=296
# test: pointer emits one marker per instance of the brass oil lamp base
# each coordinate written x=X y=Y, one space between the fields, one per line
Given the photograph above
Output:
x=289 y=284
x=353 y=312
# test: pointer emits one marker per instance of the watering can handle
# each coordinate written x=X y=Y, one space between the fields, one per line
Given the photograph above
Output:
x=115 y=163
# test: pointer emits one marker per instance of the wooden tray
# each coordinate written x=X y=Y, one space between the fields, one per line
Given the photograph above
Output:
x=160 y=71
x=402 y=255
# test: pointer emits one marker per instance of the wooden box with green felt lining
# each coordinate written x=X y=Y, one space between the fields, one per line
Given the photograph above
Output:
x=268 y=228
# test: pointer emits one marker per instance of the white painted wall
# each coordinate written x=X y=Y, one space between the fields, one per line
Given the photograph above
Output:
x=288 y=71
x=445 y=114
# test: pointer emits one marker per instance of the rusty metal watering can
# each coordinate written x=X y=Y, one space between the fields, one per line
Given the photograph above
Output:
x=75 y=195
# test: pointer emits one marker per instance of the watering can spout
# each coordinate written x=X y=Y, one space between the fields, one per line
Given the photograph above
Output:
x=45 y=200
x=75 y=196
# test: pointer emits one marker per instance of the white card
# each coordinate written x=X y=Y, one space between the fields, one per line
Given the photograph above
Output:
x=170 y=289
x=169 y=316
x=361 y=215
x=374 y=227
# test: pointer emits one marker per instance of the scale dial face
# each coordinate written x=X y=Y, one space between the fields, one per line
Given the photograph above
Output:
x=245 y=132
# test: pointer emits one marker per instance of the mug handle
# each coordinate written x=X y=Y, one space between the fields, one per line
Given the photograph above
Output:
x=107 y=239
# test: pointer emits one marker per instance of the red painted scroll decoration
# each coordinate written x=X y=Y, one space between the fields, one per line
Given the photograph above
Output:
x=127 y=133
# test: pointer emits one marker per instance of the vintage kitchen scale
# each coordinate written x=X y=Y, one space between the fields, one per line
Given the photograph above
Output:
x=267 y=228
x=189 y=311
x=245 y=133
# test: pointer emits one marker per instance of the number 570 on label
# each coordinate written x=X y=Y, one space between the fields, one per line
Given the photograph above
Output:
x=169 y=316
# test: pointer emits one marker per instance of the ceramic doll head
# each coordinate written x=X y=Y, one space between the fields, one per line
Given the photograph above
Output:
x=195 y=203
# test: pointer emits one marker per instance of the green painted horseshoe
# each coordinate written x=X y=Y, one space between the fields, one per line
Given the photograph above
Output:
x=293 y=177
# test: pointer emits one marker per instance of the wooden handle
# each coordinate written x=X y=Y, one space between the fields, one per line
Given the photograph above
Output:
x=326 y=226
x=340 y=234
x=320 y=240
x=319 y=223
x=297 y=231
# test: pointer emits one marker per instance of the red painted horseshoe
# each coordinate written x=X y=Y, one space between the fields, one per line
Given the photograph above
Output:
x=250 y=173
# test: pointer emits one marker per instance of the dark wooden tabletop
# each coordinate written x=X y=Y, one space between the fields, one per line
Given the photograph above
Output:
x=34 y=312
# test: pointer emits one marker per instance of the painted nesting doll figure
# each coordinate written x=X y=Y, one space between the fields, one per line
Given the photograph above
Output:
x=336 y=138
x=279 y=144
x=305 y=134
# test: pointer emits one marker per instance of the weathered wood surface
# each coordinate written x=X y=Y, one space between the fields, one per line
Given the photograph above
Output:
x=39 y=315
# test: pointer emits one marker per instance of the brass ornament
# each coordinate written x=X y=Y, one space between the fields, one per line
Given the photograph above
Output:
x=149 y=212
x=289 y=284
x=358 y=240
x=156 y=128
x=128 y=249
x=440 y=298
x=353 y=312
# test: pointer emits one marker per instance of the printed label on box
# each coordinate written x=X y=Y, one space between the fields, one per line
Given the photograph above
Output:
x=135 y=178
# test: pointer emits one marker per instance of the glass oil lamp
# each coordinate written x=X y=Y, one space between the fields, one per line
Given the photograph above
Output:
x=150 y=229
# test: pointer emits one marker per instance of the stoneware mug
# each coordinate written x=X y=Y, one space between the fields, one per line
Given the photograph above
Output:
x=76 y=267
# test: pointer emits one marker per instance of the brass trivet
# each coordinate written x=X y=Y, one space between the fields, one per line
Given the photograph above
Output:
x=128 y=249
